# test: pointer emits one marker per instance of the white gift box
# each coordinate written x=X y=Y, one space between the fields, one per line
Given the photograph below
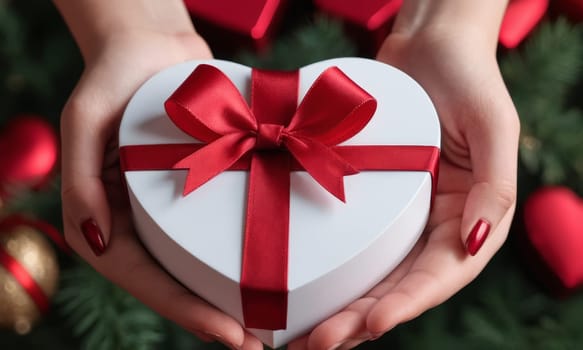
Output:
x=337 y=251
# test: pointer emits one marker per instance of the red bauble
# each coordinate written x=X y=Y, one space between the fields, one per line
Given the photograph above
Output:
x=520 y=19
x=226 y=24
x=553 y=218
x=368 y=21
x=29 y=153
x=573 y=9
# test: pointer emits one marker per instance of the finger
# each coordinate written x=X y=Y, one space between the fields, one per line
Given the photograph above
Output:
x=493 y=145
x=84 y=198
x=351 y=344
x=399 y=272
x=439 y=272
x=206 y=338
x=141 y=276
x=423 y=287
x=299 y=344
x=352 y=320
x=446 y=206
x=344 y=327
x=453 y=179
x=251 y=343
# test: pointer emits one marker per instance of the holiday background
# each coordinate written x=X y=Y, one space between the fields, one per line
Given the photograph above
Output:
x=517 y=302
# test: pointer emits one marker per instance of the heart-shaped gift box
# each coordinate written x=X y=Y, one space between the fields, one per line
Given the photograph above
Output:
x=336 y=251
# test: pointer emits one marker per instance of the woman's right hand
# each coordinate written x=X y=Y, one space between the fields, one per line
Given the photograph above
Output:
x=97 y=218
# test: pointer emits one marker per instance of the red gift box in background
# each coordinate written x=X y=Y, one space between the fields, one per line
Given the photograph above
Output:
x=228 y=25
x=520 y=19
x=367 y=21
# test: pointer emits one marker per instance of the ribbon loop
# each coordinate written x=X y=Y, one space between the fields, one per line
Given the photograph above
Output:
x=333 y=110
x=207 y=105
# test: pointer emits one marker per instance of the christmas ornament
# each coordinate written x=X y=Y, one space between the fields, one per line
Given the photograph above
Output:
x=28 y=274
x=520 y=19
x=29 y=153
x=572 y=9
x=367 y=21
x=554 y=228
x=229 y=24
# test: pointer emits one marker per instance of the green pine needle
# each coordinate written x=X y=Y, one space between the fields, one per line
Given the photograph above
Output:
x=105 y=316
x=542 y=78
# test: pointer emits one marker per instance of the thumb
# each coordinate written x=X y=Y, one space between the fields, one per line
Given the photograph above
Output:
x=86 y=214
x=493 y=146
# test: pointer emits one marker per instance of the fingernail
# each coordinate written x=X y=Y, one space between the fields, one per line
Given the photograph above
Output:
x=220 y=339
x=203 y=336
x=337 y=345
x=477 y=236
x=352 y=343
x=93 y=236
x=376 y=336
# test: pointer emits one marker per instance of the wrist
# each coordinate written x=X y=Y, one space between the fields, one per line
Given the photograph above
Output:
x=462 y=20
x=95 y=23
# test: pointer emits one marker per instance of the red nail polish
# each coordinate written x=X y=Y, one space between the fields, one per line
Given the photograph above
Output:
x=93 y=236
x=477 y=236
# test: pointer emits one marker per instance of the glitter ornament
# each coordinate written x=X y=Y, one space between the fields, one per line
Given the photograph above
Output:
x=28 y=277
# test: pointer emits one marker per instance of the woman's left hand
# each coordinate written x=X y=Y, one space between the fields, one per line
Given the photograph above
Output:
x=475 y=196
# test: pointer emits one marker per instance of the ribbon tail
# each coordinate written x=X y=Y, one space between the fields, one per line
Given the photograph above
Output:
x=322 y=163
x=213 y=159
x=265 y=247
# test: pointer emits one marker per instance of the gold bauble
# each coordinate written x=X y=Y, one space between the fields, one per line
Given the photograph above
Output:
x=31 y=249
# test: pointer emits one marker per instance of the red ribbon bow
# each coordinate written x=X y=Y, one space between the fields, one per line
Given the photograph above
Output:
x=209 y=108
x=272 y=138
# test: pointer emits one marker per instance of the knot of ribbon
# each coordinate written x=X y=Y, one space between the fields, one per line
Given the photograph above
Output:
x=208 y=107
x=269 y=136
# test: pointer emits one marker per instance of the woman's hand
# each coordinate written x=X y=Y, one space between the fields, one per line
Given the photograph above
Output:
x=476 y=191
x=96 y=214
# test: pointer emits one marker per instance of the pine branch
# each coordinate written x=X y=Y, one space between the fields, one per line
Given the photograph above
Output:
x=105 y=316
x=547 y=67
x=541 y=79
x=315 y=42
x=11 y=37
x=44 y=203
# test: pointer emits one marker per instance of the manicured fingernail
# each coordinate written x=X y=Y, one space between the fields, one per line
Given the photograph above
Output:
x=477 y=236
x=93 y=236
x=220 y=339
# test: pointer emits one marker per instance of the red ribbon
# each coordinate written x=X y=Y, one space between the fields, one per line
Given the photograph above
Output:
x=15 y=268
x=271 y=139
